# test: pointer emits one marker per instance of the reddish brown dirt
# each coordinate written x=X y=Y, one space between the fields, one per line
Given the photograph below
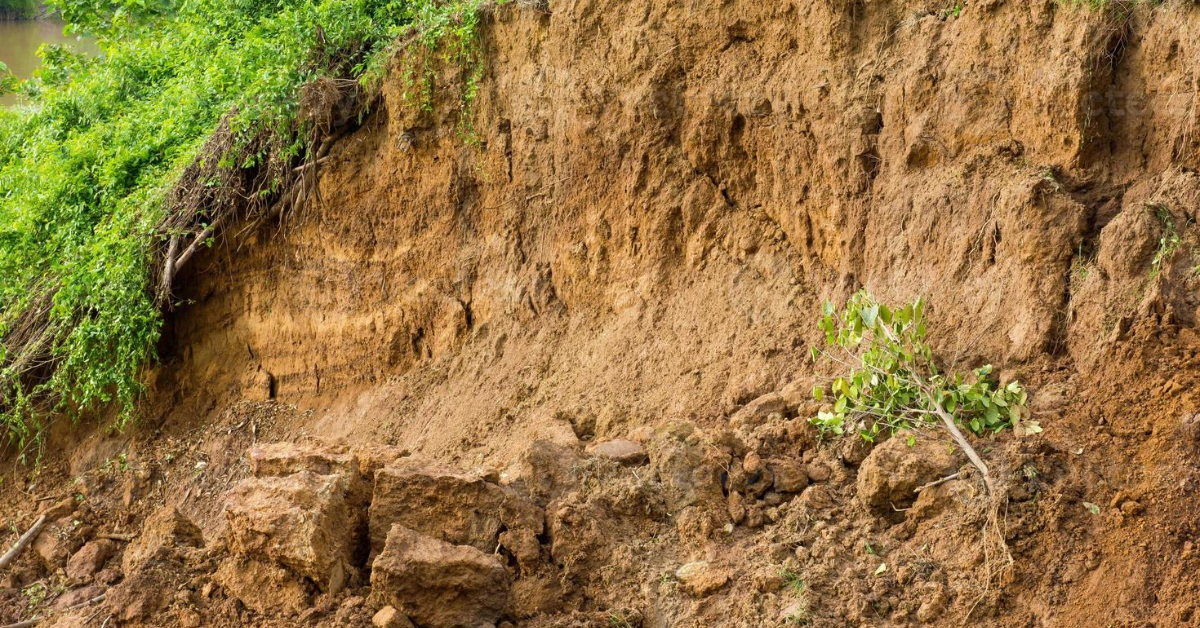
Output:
x=662 y=195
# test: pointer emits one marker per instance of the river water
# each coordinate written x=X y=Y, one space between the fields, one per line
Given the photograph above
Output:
x=19 y=41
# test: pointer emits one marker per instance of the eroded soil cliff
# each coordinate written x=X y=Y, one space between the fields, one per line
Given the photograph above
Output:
x=600 y=316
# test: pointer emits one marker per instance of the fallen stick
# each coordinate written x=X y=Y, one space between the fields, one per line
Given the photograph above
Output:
x=30 y=623
x=124 y=538
x=29 y=535
x=952 y=476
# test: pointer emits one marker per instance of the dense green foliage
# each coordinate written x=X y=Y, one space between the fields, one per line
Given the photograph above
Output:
x=893 y=383
x=86 y=169
x=18 y=8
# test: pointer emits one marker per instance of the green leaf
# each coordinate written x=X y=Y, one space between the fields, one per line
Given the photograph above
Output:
x=818 y=393
x=869 y=316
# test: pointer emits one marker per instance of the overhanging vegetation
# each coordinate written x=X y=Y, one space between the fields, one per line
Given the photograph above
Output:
x=125 y=164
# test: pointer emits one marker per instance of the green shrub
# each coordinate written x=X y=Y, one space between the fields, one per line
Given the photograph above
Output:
x=18 y=9
x=892 y=381
x=88 y=170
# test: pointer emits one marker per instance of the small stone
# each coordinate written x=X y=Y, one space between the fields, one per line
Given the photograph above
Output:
x=752 y=463
x=1131 y=508
x=446 y=504
x=89 y=559
x=790 y=476
x=894 y=470
x=625 y=452
x=932 y=608
x=737 y=507
x=701 y=579
x=755 y=517
x=755 y=413
x=854 y=451
x=389 y=617
x=263 y=586
x=163 y=534
x=524 y=546
x=190 y=619
x=759 y=482
x=768 y=580
x=818 y=472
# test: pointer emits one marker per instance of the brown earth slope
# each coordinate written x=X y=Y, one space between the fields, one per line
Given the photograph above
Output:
x=661 y=196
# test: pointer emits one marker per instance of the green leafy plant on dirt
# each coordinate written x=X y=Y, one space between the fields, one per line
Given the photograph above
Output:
x=892 y=381
x=124 y=165
x=1168 y=243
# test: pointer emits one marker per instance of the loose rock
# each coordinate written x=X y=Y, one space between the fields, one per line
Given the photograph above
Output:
x=755 y=413
x=625 y=452
x=893 y=471
x=389 y=617
x=701 y=579
x=264 y=586
x=790 y=476
x=299 y=521
x=437 y=584
x=89 y=559
x=455 y=507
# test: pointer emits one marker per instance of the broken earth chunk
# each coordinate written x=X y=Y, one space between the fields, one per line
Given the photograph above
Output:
x=163 y=533
x=624 y=452
x=389 y=617
x=546 y=470
x=264 y=586
x=300 y=521
x=756 y=412
x=437 y=584
x=890 y=475
x=790 y=476
x=455 y=507
x=700 y=578
x=280 y=459
x=89 y=559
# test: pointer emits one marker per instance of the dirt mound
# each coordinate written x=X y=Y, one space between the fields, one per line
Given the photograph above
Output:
x=576 y=346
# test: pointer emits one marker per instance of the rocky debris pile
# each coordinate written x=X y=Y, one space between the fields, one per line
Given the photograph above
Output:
x=158 y=562
x=434 y=543
x=330 y=535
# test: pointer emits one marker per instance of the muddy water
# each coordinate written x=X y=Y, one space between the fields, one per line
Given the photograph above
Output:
x=19 y=42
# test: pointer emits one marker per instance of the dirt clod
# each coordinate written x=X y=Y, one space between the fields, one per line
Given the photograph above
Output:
x=893 y=471
x=436 y=500
x=300 y=521
x=438 y=584
x=389 y=617
x=625 y=452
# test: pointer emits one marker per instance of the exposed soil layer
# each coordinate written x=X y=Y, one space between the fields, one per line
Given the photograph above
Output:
x=589 y=332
